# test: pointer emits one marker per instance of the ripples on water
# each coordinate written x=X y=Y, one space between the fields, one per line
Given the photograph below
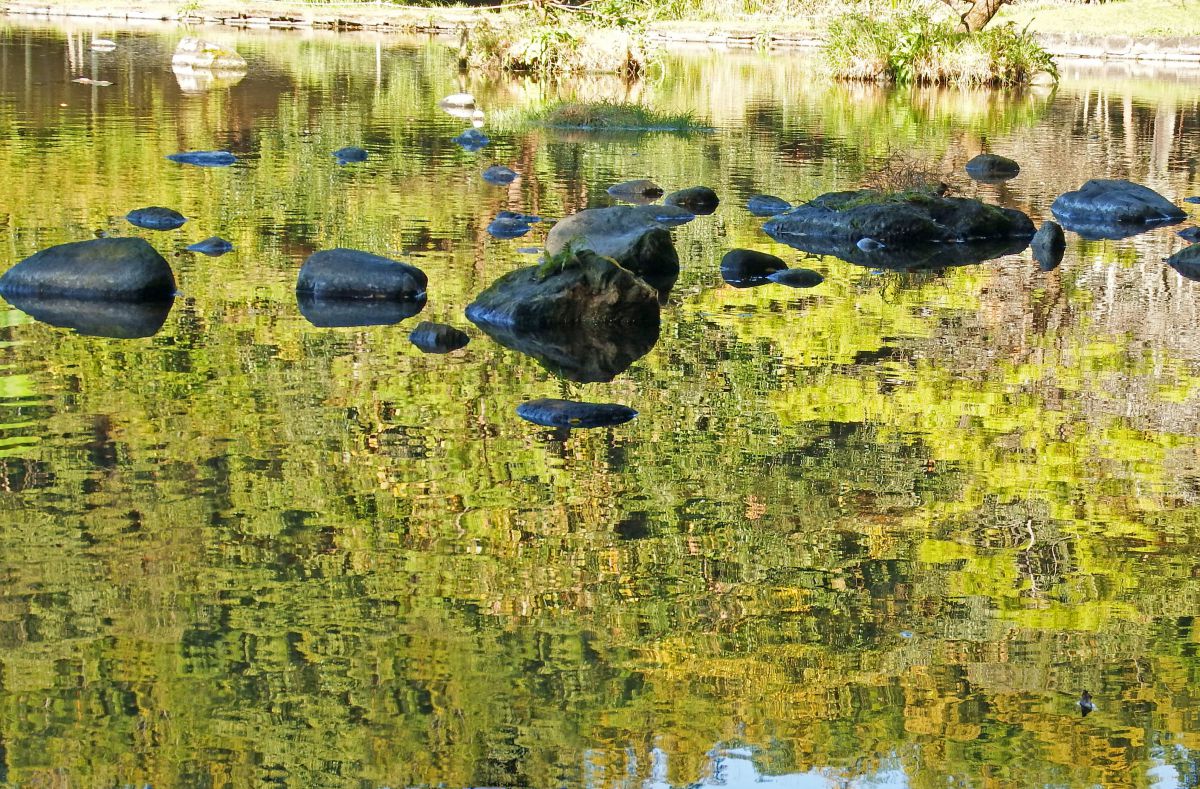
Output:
x=882 y=531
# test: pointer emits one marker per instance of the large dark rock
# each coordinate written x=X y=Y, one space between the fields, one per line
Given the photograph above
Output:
x=352 y=274
x=1187 y=262
x=156 y=217
x=1049 y=246
x=991 y=168
x=1104 y=208
x=747 y=268
x=697 y=199
x=634 y=236
x=641 y=191
x=123 y=269
x=438 y=337
x=325 y=313
x=124 y=320
x=897 y=219
x=571 y=414
x=586 y=319
x=767 y=205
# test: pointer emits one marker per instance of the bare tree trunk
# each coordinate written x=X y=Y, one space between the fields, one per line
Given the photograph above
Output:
x=980 y=14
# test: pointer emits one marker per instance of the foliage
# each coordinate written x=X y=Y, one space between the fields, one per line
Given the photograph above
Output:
x=562 y=42
x=609 y=115
x=911 y=46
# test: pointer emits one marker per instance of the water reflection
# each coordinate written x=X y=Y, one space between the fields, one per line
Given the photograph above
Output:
x=116 y=319
x=584 y=354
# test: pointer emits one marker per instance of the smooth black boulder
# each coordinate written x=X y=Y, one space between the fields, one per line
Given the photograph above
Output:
x=1190 y=234
x=640 y=190
x=213 y=246
x=1187 y=262
x=351 y=154
x=572 y=414
x=122 y=320
x=156 y=217
x=433 y=337
x=327 y=313
x=204 y=158
x=1049 y=245
x=796 y=278
x=1113 y=209
x=472 y=140
x=991 y=168
x=122 y=269
x=352 y=274
x=746 y=268
x=767 y=205
x=634 y=236
x=897 y=219
x=699 y=200
x=500 y=175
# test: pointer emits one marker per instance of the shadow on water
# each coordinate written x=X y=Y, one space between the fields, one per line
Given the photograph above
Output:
x=115 y=319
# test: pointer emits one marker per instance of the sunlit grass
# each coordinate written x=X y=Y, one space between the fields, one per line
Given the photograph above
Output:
x=614 y=116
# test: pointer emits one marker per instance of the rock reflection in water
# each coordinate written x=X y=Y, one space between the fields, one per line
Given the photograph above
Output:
x=911 y=257
x=341 y=313
x=584 y=354
x=97 y=318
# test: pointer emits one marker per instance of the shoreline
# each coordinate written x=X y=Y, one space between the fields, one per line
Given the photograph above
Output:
x=450 y=21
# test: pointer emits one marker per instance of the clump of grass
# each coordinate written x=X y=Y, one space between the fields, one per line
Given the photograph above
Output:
x=614 y=116
x=898 y=175
x=910 y=45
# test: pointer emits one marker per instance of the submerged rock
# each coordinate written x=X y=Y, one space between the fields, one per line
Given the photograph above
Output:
x=214 y=247
x=767 y=205
x=572 y=414
x=1190 y=234
x=472 y=140
x=896 y=219
x=990 y=168
x=1191 y=199
x=352 y=274
x=631 y=235
x=797 y=278
x=1187 y=262
x=333 y=313
x=747 y=268
x=1049 y=246
x=500 y=175
x=351 y=154
x=699 y=200
x=508 y=227
x=640 y=191
x=1106 y=208
x=438 y=337
x=204 y=158
x=123 y=320
x=124 y=269
x=197 y=53
x=156 y=218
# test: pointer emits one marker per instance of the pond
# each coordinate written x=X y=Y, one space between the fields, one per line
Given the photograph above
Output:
x=883 y=530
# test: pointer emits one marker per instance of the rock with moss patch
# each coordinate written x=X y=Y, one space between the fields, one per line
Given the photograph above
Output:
x=1049 y=246
x=698 y=199
x=1114 y=208
x=992 y=168
x=633 y=236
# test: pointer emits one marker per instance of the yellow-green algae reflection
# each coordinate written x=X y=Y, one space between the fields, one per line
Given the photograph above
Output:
x=889 y=527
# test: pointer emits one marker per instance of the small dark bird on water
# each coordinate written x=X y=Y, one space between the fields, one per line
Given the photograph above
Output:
x=1085 y=704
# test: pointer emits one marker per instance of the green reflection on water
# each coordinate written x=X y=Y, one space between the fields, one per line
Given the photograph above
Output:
x=901 y=519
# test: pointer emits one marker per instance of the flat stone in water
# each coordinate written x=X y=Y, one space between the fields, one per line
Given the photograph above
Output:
x=572 y=414
x=508 y=227
x=699 y=200
x=1190 y=234
x=797 y=278
x=204 y=158
x=1049 y=245
x=156 y=218
x=353 y=274
x=767 y=205
x=500 y=175
x=117 y=269
x=518 y=216
x=747 y=268
x=1187 y=262
x=350 y=154
x=433 y=337
x=472 y=140
x=640 y=190
x=1114 y=209
x=214 y=247
x=990 y=168
x=1191 y=199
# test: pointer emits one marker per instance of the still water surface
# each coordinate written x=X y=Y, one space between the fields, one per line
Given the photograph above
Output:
x=884 y=531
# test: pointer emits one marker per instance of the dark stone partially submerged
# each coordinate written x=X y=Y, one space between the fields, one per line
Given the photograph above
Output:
x=204 y=158
x=350 y=155
x=500 y=175
x=767 y=205
x=1187 y=262
x=634 y=236
x=640 y=190
x=572 y=414
x=123 y=320
x=797 y=278
x=1049 y=246
x=353 y=274
x=1114 y=209
x=1190 y=234
x=326 y=313
x=438 y=337
x=123 y=269
x=991 y=168
x=472 y=140
x=156 y=217
x=748 y=268
x=698 y=199
x=510 y=224
x=213 y=246
x=584 y=318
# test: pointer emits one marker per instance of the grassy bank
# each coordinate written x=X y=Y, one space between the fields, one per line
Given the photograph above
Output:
x=1137 y=18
